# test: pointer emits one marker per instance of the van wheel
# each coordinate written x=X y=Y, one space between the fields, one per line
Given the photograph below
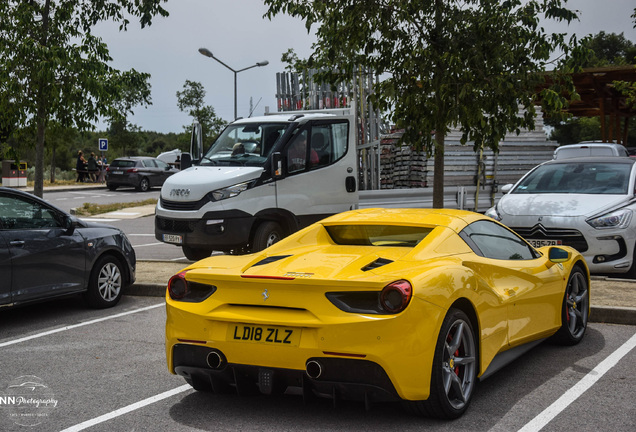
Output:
x=196 y=254
x=267 y=234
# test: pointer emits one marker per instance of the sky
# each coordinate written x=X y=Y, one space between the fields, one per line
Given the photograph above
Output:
x=237 y=34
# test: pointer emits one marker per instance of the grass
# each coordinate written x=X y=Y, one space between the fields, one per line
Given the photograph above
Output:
x=89 y=209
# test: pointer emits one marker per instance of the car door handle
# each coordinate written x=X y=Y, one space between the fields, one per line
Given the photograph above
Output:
x=17 y=243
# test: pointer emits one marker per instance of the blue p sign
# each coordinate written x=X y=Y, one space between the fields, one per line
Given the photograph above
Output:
x=103 y=144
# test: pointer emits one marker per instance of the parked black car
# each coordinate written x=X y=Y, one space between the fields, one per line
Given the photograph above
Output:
x=47 y=253
x=140 y=172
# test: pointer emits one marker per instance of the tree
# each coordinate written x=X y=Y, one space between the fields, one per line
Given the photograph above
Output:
x=606 y=49
x=449 y=63
x=191 y=100
x=610 y=49
x=54 y=68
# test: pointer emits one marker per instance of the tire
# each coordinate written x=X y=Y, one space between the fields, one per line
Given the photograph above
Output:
x=144 y=185
x=454 y=370
x=196 y=254
x=575 y=310
x=111 y=187
x=106 y=284
x=266 y=234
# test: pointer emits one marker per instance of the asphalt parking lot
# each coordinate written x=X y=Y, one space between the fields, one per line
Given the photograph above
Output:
x=105 y=371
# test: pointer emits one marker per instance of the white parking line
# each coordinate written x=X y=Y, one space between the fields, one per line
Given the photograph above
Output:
x=70 y=327
x=127 y=409
x=148 y=244
x=537 y=423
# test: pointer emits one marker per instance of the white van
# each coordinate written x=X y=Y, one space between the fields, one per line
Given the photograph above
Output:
x=590 y=148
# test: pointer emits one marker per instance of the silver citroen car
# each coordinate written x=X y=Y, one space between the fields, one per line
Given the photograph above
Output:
x=587 y=203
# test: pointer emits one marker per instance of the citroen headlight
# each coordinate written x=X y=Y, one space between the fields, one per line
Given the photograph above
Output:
x=616 y=219
x=230 y=191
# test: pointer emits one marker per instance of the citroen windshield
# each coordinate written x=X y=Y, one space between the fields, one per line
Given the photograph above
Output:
x=245 y=144
x=603 y=178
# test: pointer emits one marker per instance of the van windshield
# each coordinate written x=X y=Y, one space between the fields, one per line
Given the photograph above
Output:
x=245 y=144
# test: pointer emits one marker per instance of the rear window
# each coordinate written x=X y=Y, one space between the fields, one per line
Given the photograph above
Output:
x=377 y=235
x=122 y=163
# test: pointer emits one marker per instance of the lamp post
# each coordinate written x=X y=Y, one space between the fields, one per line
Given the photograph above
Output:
x=206 y=52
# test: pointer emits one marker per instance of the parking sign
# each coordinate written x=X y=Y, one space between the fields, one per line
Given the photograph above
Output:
x=103 y=144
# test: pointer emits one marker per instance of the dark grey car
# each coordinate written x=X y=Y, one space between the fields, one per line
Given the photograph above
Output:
x=140 y=172
x=47 y=253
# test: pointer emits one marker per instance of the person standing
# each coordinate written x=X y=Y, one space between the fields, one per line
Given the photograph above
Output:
x=80 y=167
x=92 y=167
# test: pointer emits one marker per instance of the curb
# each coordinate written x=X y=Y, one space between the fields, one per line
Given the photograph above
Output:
x=598 y=314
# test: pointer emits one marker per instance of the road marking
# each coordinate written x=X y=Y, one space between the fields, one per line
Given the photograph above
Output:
x=73 y=326
x=537 y=423
x=148 y=244
x=99 y=220
x=140 y=235
x=127 y=409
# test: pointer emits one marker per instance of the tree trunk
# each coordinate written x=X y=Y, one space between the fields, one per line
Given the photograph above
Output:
x=438 y=175
x=52 y=176
x=38 y=187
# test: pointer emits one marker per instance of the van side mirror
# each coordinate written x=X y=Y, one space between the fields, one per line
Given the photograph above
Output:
x=277 y=165
x=186 y=161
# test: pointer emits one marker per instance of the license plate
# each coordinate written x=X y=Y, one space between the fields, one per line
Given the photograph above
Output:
x=274 y=335
x=173 y=238
x=540 y=243
x=118 y=172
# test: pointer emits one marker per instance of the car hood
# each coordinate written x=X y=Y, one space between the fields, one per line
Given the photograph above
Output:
x=195 y=182
x=557 y=204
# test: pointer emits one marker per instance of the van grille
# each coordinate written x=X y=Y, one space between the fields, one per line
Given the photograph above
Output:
x=184 y=205
x=175 y=225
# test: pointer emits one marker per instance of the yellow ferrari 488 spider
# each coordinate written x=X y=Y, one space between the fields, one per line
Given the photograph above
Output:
x=374 y=305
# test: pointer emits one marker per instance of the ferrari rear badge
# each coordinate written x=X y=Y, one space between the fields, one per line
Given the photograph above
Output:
x=265 y=295
x=298 y=275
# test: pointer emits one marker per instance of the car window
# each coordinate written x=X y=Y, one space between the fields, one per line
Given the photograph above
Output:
x=377 y=235
x=577 y=177
x=122 y=163
x=22 y=213
x=161 y=164
x=149 y=163
x=491 y=240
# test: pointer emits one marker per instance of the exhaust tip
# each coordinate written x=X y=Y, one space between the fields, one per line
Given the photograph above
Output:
x=313 y=369
x=215 y=359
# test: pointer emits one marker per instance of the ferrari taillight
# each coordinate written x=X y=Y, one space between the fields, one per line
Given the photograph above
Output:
x=395 y=297
x=182 y=290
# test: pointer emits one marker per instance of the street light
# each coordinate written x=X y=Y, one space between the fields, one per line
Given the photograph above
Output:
x=206 y=52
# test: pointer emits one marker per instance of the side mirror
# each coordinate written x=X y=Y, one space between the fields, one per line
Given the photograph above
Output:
x=70 y=223
x=558 y=255
x=277 y=166
x=506 y=188
x=186 y=161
